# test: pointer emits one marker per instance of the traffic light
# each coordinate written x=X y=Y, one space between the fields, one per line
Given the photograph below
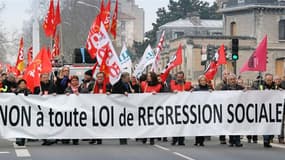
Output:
x=235 y=46
x=210 y=52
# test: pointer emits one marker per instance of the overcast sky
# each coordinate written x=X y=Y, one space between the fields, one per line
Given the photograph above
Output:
x=16 y=11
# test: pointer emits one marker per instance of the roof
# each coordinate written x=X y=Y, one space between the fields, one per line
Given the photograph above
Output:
x=247 y=7
x=204 y=23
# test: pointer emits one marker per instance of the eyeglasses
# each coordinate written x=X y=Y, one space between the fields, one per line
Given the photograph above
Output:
x=65 y=70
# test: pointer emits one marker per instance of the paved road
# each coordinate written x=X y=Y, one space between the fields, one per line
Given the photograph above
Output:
x=111 y=150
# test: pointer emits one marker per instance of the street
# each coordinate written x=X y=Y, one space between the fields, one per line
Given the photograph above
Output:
x=136 y=151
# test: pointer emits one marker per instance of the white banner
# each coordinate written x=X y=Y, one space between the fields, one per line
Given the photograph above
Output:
x=141 y=115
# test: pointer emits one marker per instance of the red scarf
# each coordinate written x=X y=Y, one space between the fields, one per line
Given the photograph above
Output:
x=97 y=88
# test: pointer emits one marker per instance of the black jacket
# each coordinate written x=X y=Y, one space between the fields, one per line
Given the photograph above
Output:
x=121 y=88
x=49 y=87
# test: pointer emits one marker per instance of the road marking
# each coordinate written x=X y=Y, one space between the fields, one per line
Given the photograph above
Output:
x=4 y=152
x=183 y=156
x=22 y=153
x=160 y=147
x=176 y=153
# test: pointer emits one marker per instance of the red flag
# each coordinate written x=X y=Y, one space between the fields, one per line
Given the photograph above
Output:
x=174 y=61
x=55 y=51
x=41 y=64
x=30 y=55
x=94 y=29
x=113 y=30
x=43 y=58
x=105 y=15
x=222 y=55
x=211 y=70
x=49 y=25
x=104 y=67
x=20 y=64
x=32 y=76
x=57 y=18
x=257 y=61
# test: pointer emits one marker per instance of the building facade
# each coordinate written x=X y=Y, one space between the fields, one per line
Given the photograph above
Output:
x=247 y=20
x=131 y=23
x=257 y=18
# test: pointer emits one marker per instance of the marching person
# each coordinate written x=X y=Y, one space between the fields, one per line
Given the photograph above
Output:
x=151 y=85
x=74 y=88
x=179 y=85
x=87 y=83
x=46 y=87
x=268 y=84
x=232 y=85
x=100 y=87
x=123 y=87
x=202 y=86
x=62 y=80
x=21 y=89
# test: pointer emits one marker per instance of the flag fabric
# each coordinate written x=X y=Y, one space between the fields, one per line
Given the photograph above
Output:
x=57 y=18
x=49 y=24
x=32 y=76
x=125 y=60
x=30 y=55
x=147 y=59
x=91 y=46
x=257 y=61
x=105 y=15
x=157 y=53
x=43 y=61
x=221 y=55
x=20 y=64
x=113 y=30
x=105 y=47
x=211 y=70
x=174 y=61
x=41 y=64
x=104 y=67
x=56 y=48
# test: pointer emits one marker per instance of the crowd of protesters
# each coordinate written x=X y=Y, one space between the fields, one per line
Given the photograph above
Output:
x=64 y=83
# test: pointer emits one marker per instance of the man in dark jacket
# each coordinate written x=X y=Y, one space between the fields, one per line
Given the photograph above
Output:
x=46 y=87
x=267 y=85
x=232 y=85
x=122 y=87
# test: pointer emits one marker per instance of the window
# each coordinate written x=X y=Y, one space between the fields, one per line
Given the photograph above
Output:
x=178 y=34
x=282 y=30
x=233 y=29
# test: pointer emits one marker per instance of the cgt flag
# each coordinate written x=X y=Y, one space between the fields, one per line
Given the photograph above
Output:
x=30 y=56
x=104 y=45
x=174 y=61
x=113 y=30
x=93 y=37
x=257 y=61
x=49 y=24
x=20 y=64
